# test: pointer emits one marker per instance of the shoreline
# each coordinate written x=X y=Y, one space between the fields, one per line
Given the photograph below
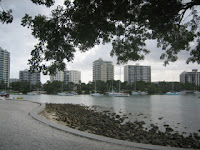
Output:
x=105 y=123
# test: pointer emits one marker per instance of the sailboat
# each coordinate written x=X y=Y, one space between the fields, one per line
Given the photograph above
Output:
x=112 y=93
x=32 y=93
x=135 y=92
x=65 y=93
x=120 y=94
x=142 y=93
x=95 y=93
x=172 y=92
x=196 y=92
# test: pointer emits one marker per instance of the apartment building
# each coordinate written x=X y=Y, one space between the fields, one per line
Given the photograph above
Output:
x=74 y=76
x=67 y=76
x=134 y=73
x=190 y=77
x=103 y=70
x=4 y=66
x=33 y=78
x=58 y=76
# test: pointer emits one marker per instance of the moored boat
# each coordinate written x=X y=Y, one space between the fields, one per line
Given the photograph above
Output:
x=111 y=93
x=31 y=93
x=172 y=93
x=65 y=94
x=20 y=97
x=135 y=93
x=3 y=94
x=121 y=95
x=96 y=94
x=142 y=93
x=196 y=92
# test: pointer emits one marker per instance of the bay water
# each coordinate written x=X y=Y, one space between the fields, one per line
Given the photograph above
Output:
x=180 y=112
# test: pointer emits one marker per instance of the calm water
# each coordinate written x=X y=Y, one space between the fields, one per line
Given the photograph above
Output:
x=181 y=112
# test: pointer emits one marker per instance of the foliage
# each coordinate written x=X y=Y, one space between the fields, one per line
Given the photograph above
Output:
x=126 y=24
x=36 y=87
x=22 y=87
x=6 y=15
x=103 y=87
x=47 y=3
x=53 y=88
x=152 y=88
x=3 y=85
x=69 y=87
x=85 y=88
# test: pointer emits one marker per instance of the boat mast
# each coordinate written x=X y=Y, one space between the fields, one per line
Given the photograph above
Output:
x=119 y=78
x=112 y=86
x=173 y=85
x=95 y=86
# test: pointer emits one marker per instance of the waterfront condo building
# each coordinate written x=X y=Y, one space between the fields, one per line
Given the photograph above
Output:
x=32 y=78
x=74 y=76
x=134 y=73
x=58 y=76
x=4 y=66
x=190 y=77
x=66 y=76
x=103 y=70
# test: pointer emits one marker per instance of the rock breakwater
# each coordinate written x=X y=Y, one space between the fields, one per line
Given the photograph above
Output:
x=109 y=124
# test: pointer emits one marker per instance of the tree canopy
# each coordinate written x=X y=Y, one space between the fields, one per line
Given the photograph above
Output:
x=127 y=24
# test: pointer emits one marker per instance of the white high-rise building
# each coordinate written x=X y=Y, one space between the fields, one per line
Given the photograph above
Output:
x=33 y=78
x=58 y=76
x=103 y=70
x=190 y=77
x=66 y=76
x=74 y=76
x=134 y=73
x=4 y=66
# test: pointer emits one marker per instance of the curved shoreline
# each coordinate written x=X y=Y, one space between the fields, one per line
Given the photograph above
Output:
x=35 y=115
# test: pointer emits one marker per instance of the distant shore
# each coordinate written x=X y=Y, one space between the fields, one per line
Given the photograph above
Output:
x=109 y=124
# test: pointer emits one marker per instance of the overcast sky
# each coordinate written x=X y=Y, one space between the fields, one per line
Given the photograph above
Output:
x=19 y=42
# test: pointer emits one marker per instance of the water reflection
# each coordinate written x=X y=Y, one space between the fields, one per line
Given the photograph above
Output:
x=181 y=112
x=178 y=111
x=118 y=104
x=190 y=109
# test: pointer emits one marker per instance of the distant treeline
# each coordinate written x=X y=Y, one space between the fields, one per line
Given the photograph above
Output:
x=101 y=87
